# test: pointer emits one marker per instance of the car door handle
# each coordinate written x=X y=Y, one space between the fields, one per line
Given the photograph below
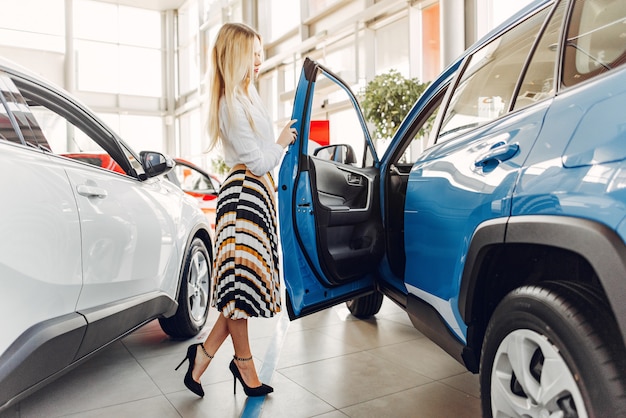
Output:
x=354 y=179
x=91 y=191
x=499 y=152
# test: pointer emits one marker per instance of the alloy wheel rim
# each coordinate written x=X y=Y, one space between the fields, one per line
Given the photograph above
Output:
x=198 y=286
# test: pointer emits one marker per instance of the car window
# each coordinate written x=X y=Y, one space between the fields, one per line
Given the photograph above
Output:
x=595 y=40
x=63 y=128
x=335 y=121
x=7 y=132
x=29 y=133
x=487 y=84
x=409 y=150
x=538 y=82
x=132 y=158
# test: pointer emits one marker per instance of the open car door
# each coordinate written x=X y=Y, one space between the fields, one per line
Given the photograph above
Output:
x=328 y=191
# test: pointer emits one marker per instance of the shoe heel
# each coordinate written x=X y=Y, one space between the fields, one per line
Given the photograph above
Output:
x=256 y=391
x=181 y=363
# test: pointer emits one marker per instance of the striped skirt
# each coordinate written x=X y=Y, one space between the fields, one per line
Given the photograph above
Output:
x=246 y=281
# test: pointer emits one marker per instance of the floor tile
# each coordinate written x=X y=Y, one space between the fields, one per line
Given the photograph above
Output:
x=465 y=382
x=434 y=400
x=103 y=381
x=149 y=408
x=334 y=414
x=309 y=346
x=353 y=378
x=371 y=333
x=422 y=356
x=290 y=400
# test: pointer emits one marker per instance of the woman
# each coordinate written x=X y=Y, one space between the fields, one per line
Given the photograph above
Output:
x=245 y=271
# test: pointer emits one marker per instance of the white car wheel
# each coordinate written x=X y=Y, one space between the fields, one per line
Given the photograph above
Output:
x=198 y=286
x=553 y=351
x=530 y=378
x=194 y=294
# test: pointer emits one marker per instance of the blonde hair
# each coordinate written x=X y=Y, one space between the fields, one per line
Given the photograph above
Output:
x=230 y=73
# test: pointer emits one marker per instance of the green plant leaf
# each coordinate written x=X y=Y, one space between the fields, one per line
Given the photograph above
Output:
x=387 y=99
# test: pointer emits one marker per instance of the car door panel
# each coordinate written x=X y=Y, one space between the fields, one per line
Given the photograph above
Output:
x=349 y=233
x=454 y=188
x=51 y=269
x=128 y=243
x=330 y=219
x=342 y=191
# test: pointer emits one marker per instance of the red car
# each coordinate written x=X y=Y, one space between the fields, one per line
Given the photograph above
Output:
x=198 y=183
x=97 y=159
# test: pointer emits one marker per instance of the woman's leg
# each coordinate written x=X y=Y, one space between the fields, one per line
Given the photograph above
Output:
x=216 y=337
x=238 y=329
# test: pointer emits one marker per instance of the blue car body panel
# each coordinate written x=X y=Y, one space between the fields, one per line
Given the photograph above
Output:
x=450 y=194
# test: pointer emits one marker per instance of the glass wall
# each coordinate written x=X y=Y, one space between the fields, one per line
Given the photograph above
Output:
x=392 y=46
x=272 y=26
x=43 y=30
x=189 y=64
x=117 y=49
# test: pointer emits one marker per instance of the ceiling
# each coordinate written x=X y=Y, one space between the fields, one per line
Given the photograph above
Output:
x=149 y=4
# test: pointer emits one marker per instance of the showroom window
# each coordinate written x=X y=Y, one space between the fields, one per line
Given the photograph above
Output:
x=392 y=47
x=140 y=131
x=319 y=6
x=192 y=128
x=118 y=49
x=274 y=25
x=44 y=30
x=190 y=67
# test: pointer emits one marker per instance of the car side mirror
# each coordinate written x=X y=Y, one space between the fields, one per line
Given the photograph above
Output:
x=341 y=153
x=155 y=163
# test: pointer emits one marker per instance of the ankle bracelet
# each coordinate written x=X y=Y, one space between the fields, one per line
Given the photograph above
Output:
x=242 y=358
x=204 y=351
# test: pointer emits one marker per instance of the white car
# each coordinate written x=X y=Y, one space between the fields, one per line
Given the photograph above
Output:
x=89 y=251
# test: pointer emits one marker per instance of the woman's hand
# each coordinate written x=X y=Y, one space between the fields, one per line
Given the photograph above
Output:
x=287 y=135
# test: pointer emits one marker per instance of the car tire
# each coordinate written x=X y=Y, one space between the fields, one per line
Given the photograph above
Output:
x=552 y=348
x=194 y=294
x=365 y=306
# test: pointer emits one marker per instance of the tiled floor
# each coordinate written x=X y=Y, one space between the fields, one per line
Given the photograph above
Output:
x=329 y=365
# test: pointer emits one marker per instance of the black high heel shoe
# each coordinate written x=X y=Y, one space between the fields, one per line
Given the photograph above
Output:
x=191 y=384
x=257 y=391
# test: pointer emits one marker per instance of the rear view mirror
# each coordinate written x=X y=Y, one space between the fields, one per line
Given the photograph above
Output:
x=341 y=153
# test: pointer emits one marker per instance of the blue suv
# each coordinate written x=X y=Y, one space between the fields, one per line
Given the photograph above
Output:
x=495 y=216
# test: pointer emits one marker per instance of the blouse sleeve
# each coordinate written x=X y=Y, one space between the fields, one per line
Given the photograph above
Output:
x=260 y=155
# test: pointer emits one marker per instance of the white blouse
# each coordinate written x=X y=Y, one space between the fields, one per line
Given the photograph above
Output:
x=255 y=148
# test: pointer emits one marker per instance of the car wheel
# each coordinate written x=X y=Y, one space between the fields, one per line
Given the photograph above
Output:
x=194 y=294
x=365 y=306
x=552 y=350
